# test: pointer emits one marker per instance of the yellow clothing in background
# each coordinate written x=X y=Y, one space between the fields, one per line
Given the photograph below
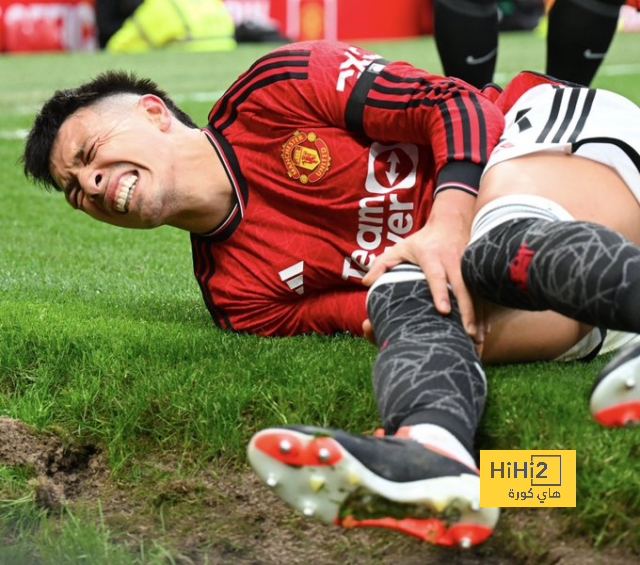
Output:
x=184 y=25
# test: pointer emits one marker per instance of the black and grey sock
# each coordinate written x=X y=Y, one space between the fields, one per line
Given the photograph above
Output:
x=427 y=370
x=582 y=270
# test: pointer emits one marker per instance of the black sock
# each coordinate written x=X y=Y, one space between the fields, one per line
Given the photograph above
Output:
x=582 y=270
x=427 y=370
x=466 y=34
x=578 y=38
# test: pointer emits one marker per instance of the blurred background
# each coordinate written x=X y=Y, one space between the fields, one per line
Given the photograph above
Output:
x=212 y=25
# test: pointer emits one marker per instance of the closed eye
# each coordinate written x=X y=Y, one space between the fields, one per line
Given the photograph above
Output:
x=91 y=155
x=71 y=191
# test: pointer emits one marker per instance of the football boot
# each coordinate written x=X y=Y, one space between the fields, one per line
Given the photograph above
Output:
x=389 y=482
x=615 y=396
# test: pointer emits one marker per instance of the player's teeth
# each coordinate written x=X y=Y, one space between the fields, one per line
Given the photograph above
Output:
x=125 y=193
x=129 y=196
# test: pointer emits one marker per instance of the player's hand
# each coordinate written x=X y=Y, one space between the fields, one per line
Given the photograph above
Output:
x=367 y=331
x=437 y=249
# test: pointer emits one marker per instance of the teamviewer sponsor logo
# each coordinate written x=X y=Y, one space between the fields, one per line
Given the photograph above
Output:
x=293 y=277
x=391 y=167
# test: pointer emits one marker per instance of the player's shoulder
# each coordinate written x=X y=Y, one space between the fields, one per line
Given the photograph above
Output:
x=316 y=46
x=321 y=51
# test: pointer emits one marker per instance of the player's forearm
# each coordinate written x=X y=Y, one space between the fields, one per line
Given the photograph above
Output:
x=453 y=211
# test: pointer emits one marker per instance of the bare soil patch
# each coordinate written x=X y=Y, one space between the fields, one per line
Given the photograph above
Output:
x=213 y=516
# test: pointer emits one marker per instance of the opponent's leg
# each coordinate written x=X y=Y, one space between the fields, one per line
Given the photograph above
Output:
x=466 y=34
x=578 y=38
x=431 y=390
x=527 y=254
x=583 y=270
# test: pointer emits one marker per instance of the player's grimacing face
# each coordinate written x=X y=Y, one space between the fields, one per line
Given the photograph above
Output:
x=113 y=162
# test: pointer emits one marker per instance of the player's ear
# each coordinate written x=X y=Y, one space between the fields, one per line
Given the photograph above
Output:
x=156 y=110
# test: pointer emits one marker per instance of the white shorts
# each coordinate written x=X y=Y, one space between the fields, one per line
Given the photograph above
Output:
x=596 y=124
x=612 y=341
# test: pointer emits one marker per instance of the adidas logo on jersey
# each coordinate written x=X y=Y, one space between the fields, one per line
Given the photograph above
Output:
x=293 y=277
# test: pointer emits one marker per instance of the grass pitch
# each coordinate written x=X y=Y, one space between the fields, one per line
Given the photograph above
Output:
x=146 y=408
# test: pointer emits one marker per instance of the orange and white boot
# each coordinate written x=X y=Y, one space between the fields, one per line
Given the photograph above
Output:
x=389 y=482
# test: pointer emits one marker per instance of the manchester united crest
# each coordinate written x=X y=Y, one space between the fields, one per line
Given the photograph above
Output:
x=306 y=157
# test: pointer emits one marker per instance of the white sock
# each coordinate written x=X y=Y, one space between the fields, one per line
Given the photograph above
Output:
x=442 y=439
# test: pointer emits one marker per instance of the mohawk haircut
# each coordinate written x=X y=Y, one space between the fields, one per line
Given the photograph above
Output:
x=64 y=103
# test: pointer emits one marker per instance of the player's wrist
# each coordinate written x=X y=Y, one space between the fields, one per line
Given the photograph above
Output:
x=463 y=176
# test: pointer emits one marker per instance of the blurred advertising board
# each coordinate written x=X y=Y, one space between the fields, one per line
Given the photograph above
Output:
x=47 y=25
x=302 y=20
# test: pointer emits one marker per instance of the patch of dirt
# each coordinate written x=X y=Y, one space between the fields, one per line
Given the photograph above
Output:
x=63 y=472
x=230 y=517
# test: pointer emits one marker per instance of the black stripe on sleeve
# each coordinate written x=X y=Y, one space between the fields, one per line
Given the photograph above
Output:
x=278 y=60
x=553 y=115
x=446 y=118
x=390 y=77
x=233 y=114
x=403 y=90
x=464 y=122
x=424 y=85
x=481 y=127
x=279 y=55
x=583 y=115
x=354 y=110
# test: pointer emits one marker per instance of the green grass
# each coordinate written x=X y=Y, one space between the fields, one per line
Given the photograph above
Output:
x=104 y=340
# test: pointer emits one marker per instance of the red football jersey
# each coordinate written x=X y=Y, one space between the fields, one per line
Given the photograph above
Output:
x=334 y=154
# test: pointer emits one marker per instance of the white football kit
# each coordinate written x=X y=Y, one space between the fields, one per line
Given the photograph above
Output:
x=595 y=124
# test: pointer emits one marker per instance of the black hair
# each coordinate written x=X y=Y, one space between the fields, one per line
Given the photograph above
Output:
x=64 y=103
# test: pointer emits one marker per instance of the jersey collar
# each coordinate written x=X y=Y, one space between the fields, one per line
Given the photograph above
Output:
x=229 y=161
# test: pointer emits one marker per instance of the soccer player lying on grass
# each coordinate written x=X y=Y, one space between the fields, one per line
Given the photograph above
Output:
x=314 y=161
x=558 y=228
